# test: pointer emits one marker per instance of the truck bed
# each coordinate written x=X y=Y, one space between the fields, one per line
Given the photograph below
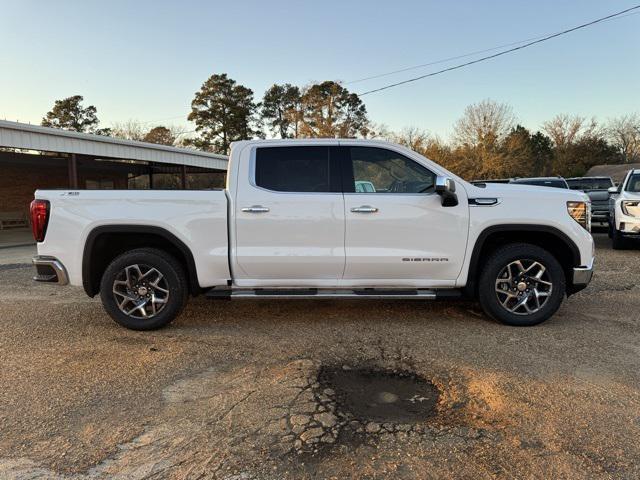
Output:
x=197 y=218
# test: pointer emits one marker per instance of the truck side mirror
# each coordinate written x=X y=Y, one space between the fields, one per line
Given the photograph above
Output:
x=613 y=190
x=446 y=188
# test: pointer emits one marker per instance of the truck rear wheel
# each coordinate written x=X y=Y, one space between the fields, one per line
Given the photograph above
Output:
x=144 y=289
x=521 y=285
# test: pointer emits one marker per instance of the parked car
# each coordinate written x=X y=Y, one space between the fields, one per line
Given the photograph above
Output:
x=624 y=213
x=555 y=182
x=291 y=224
x=597 y=188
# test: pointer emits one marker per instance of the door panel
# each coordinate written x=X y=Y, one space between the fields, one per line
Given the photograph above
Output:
x=397 y=233
x=408 y=237
x=281 y=235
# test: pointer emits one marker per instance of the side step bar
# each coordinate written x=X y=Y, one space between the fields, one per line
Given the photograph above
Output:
x=278 y=293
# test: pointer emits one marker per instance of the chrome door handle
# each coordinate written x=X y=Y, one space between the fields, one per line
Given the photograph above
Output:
x=255 y=209
x=364 y=209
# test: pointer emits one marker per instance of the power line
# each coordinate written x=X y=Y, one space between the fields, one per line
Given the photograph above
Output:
x=457 y=57
x=436 y=62
x=495 y=55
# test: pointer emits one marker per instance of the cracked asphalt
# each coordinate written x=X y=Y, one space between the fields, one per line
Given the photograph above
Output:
x=234 y=390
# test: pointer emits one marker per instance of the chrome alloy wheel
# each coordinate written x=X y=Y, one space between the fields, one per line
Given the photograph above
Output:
x=140 y=291
x=523 y=287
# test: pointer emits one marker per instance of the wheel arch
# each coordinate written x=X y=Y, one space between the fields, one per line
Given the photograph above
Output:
x=550 y=238
x=106 y=242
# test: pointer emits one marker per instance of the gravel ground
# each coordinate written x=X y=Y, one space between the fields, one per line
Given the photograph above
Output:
x=234 y=390
x=17 y=255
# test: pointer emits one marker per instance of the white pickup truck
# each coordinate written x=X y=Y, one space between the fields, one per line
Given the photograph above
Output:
x=319 y=219
x=624 y=210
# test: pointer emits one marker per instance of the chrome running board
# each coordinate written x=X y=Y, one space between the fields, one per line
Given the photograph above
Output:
x=306 y=293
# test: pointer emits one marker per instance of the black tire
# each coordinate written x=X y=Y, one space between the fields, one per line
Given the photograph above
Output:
x=496 y=265
x=173 y=279
x=618 y=242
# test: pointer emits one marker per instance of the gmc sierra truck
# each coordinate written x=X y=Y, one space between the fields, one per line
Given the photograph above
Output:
x=318 y=219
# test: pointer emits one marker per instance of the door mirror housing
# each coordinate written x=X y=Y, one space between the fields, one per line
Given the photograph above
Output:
x=613 y=190
x=446 y=188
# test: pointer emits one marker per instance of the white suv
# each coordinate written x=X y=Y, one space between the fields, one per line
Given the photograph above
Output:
x=624 y=212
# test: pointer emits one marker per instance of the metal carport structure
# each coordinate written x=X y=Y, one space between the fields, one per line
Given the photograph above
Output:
x=33 y=157
x=32 y=137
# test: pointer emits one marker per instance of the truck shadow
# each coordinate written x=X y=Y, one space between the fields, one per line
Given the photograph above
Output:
x=201 y=311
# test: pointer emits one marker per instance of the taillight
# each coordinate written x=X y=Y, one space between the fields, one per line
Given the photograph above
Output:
x=39 y=210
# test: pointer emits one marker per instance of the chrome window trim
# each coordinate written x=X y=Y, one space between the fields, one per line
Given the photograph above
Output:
x=252 y=176
x=383 y=194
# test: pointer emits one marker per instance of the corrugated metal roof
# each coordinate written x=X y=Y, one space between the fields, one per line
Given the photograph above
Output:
x=34 y=137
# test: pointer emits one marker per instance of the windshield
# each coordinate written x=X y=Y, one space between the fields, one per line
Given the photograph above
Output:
x=633 y=185
x=586 y=184
x=559 y=183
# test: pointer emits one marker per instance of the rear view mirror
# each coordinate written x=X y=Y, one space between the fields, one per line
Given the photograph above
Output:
x=613 y=190
x=446 y=188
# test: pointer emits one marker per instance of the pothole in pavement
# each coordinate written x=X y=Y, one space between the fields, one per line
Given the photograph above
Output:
x=355 y=404
x=380 y=396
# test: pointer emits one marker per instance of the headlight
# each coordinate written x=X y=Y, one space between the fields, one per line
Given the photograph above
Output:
x=629 y=204
x=580 y=212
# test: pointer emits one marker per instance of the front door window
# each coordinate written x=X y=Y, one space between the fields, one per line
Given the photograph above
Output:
x=377 y=170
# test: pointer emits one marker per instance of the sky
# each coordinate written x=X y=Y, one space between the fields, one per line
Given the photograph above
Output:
x=144 y=60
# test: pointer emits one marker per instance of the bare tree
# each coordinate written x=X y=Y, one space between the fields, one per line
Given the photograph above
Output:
x=380 y=131
x=566 y=129
x=624 y=133
x=129 y=130
x=413 y=138
x=180 y=133
x=487 y=122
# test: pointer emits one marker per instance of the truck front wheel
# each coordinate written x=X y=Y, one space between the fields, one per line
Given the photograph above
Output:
x=144 y=289
x=521 y=285
x=618 y=242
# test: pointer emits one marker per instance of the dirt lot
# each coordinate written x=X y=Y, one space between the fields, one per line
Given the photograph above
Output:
x=243 y=390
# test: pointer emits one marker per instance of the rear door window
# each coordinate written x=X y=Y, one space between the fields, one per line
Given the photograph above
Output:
x=296 y=169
